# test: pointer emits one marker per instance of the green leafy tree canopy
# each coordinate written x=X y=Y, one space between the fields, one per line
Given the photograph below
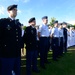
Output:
x=52 y=20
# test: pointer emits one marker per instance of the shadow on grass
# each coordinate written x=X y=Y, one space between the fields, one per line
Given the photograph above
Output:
x=65 y=65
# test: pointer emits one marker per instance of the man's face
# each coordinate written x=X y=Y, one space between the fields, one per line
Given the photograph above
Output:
x=33 y=23
x=64 y=25
x=45 y=21
x=56 y=24
x=13 y=12
x=71 y=28
x=60 y=26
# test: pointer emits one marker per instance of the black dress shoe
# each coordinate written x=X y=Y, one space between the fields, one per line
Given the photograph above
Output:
x=36 y=71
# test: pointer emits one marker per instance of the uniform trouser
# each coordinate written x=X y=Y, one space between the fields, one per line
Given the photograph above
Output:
x=38 y=49
x=61 y=46
x=55 y=47
x=31 y=60
x=65 y=46
x=44 y=48
x=50 y=44
x=9 y=64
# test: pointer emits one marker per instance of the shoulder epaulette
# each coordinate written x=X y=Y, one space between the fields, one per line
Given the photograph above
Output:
x=3 y=18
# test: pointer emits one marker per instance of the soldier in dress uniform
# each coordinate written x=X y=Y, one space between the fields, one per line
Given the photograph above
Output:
x=65 y=36
x=55 y=40
x=71 y=36
x=73 y=32
x=44 y=38
x=10 y=43
x=30 y=39
x=60 y=29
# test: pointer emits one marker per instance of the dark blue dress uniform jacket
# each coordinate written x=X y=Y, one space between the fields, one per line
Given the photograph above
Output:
x=30 y=38
x=65 y=33
x=10 y=38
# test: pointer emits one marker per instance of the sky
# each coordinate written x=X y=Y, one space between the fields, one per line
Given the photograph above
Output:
x=62 y=10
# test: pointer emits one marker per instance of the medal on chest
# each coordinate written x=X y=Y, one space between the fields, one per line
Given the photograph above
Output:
x=8 y=27
x=32 y=31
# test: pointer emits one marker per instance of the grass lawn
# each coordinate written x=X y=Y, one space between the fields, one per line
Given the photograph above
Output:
x=65 y=65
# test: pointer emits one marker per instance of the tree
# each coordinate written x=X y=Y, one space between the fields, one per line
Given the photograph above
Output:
x=24 y=27
x=74 y=25
x=52 y=20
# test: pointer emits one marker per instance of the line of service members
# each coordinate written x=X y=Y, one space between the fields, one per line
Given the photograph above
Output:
x=11 y=42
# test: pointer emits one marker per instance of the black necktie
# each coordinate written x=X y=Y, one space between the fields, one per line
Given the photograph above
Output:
x=13 y=21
